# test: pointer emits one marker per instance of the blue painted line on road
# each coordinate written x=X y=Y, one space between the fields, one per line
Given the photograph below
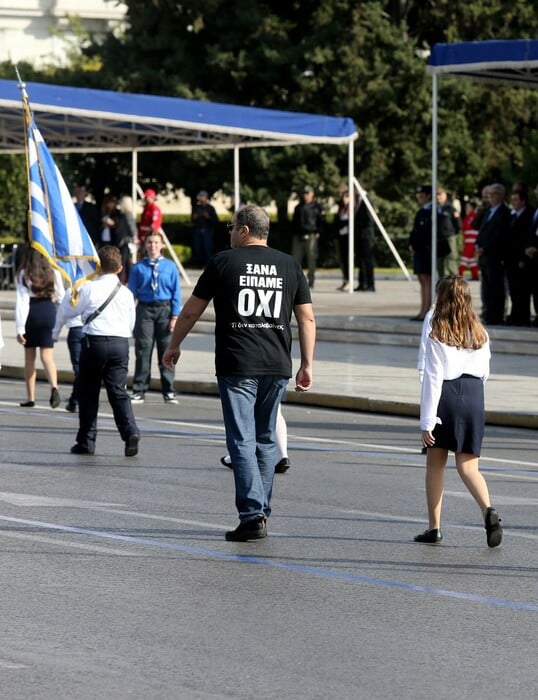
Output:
x=260 y=561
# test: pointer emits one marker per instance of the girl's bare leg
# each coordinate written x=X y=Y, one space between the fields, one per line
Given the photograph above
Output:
x=47 y=358
x=425 y=282
x=435 y=478
x=30 y=372
x=472 y=478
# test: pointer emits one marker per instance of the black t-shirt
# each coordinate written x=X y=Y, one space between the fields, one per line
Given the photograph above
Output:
x=254 y=290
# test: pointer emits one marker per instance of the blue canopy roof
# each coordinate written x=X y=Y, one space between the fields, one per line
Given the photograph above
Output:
x=79 y=119
x=513 y=61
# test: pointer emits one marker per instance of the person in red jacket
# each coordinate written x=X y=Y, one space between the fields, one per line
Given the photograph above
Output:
x=151 y=219
x=468 y=259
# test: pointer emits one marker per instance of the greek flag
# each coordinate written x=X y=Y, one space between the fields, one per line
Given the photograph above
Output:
x=56 y=229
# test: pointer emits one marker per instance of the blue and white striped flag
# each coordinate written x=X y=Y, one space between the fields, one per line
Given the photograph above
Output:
x=56 y=229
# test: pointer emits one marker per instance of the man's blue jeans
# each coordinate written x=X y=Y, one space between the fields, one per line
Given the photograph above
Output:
x=250 y=407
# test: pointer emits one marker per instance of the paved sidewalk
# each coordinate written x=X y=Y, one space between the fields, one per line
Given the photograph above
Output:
x=365 y=356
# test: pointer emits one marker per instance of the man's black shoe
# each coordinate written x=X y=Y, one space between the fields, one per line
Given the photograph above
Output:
x=79 y=449
x=131 y=445
x=71 y=407
x=429 y=537
x=282 y=466
x=494 y=531
x=255 y=529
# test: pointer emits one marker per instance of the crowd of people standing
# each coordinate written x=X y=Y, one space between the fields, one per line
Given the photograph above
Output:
x=499 y=248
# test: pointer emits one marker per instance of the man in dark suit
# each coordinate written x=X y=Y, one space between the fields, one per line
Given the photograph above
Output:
x=532 y=252
x=364 y=230
x=490 y=244
x=516 y=263
x=89 y=213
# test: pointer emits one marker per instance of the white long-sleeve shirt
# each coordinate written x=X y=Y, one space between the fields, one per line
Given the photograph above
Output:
x=24 y=294
x=1 y=340
x=116 y=319
x=447 y=362
x=426 y=330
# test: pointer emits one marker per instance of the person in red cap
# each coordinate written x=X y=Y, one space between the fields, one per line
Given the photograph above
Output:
x=151 y=219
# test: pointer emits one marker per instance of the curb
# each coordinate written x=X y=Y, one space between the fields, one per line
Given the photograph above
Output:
x=343 y=403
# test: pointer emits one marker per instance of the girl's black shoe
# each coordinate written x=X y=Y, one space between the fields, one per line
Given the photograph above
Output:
x=429 y=537
x=494 y=531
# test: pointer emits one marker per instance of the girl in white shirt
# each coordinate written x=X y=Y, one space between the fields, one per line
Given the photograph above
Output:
x=39 y=289
x=456 y=366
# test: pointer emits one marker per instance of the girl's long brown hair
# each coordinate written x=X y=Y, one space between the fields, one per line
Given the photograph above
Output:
x=454 y=321
x=37 y=273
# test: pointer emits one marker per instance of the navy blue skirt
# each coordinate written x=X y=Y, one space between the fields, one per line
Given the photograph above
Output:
x=461 y=409
x=39 y=324
x=422 y=262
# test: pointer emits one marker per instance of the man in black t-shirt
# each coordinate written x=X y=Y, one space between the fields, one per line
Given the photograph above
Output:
x=254 y=289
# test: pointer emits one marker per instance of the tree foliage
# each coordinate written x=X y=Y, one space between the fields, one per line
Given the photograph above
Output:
x=363 y=60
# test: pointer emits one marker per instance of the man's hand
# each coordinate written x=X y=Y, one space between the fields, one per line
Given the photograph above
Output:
x=303 y=379
x=171 y=356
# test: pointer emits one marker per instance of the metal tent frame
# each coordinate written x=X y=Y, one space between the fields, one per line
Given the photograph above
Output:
x=510 y=62
x=80 y=120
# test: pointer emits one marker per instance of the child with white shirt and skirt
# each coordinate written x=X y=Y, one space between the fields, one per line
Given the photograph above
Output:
x=456 y=366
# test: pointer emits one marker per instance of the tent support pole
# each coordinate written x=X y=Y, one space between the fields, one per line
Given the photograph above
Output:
x=351 y=224
x=237 y=197
x=134 y=180
x=434 y=184
x=382 y=229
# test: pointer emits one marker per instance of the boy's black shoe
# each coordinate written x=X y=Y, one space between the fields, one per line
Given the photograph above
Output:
x=131 y=445
x=429 y=537
x=255 y=529
x=494 y=531
x=79 y=449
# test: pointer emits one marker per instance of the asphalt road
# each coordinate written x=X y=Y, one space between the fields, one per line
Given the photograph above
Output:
x=116 y=581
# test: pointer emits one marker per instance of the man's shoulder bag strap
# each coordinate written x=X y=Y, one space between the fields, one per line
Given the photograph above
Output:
x=106 y=302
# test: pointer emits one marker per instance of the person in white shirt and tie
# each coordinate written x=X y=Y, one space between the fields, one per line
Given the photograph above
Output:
x=456 y=366
x=107 y=309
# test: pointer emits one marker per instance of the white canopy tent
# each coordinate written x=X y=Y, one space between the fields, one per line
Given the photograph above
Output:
x=512 y=62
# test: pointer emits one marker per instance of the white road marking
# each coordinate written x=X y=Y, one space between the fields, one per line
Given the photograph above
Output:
x=26 y=499
x=67 y=543
x=11 y=665
x=446 y=524
x=308 y=439
x=497 y=500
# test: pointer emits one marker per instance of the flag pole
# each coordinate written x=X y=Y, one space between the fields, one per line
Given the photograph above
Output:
x=28 y=125
x=54 y=227
x=26 y=117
